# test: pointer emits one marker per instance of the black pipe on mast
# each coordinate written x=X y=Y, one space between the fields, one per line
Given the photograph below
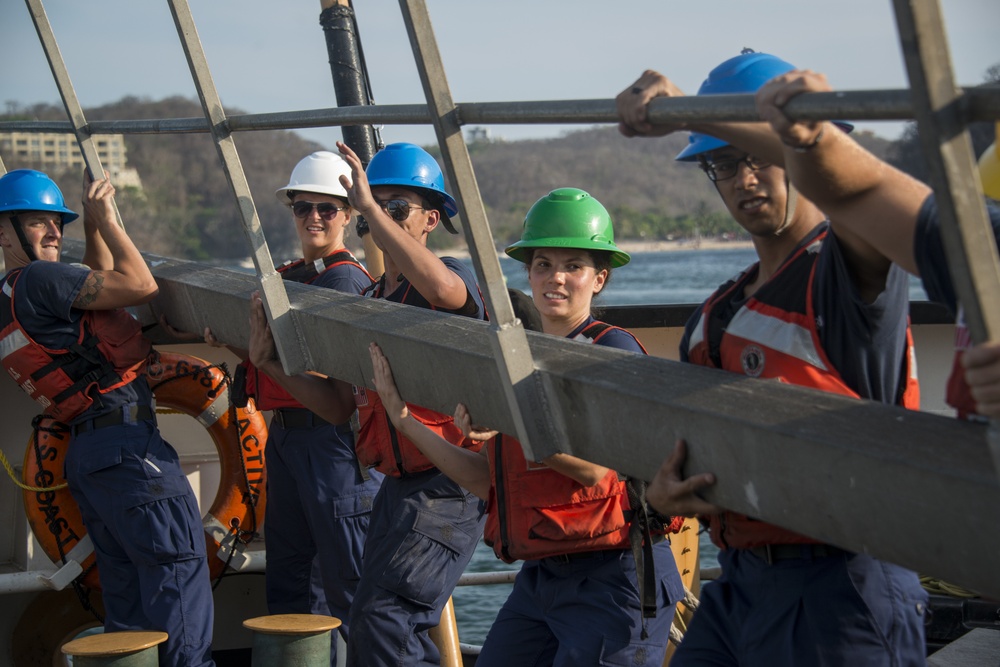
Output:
x=352 y=88
x=350 y=80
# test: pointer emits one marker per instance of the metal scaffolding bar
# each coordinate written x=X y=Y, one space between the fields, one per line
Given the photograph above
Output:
x=60 y=74
x=535 y=428
x=288 y=341
x=976 y=104
x=859 y=474
x=965 y=227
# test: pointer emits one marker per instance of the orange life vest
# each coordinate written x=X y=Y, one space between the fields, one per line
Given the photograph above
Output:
x=109 y=352
x=266 y=392
x=774 y=335
x=378 y=444
x=534 y=511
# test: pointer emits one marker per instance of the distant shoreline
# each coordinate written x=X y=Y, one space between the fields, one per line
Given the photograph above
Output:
x=634 y=247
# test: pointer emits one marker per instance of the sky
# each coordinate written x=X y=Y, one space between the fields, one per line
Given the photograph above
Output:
x=270 y=55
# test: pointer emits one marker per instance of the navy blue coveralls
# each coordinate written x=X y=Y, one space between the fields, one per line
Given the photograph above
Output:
x=584 y=608
x=809 y=605
x=136 y=502
x=423 y=532
x=318 y=503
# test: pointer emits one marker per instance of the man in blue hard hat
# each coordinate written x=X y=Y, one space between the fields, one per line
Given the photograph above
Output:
x=83 y=358
x=895 y=212
x=424 y=527
x=822 y=308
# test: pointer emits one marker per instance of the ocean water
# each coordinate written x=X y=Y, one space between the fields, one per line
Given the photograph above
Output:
x=668 y=277
x=665 y=277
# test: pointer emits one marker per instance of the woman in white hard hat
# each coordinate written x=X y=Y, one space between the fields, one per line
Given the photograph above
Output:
x=318 y=498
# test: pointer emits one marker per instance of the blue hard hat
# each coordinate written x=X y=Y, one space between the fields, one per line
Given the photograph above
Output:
x=410 y=166
x=30 y=190
x=745 y=73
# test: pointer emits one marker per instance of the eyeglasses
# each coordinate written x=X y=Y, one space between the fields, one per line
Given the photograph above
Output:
x=36 y=219
x=398 y=209
x=723 y=170
x=326 y=210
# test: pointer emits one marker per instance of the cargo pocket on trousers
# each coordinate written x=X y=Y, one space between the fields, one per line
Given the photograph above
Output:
x=352 y=514
x=423 y=564
x=162 y=522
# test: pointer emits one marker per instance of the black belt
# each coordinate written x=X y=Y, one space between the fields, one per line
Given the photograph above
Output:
x=136 y=413
x=772 y=553
x=565 y=559
x=300 y=418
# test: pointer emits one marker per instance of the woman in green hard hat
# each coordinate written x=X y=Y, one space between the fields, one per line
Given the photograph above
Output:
x=576 y=600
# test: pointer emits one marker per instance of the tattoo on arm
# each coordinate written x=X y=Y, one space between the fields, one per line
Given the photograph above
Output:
x=92 y=286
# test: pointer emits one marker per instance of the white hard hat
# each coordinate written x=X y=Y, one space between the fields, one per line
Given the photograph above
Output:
x=319 y=172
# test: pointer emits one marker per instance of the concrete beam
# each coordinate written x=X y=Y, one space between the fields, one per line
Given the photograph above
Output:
x=909 y=487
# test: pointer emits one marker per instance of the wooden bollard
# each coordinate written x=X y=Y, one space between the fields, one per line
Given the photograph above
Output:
x=129 y=648
x=291 y=640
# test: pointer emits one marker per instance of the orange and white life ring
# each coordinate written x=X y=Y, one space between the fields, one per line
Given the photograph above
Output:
x=186 y=384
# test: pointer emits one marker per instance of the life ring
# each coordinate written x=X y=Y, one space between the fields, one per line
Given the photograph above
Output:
x=194 y=387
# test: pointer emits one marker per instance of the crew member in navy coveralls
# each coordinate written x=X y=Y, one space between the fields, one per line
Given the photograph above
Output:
x=822 y=308
x=135 y=500
x=424 y=527
x=576 y=600
x=895 y=213
x=319 y=498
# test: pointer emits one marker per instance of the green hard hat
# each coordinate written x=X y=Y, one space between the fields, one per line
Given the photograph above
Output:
x=568 y=218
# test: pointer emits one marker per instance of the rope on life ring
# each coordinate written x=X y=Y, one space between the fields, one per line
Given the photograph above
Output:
x=185 y=384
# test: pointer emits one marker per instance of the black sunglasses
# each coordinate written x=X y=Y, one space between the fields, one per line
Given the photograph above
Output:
x=398 y=209
x=326 y=210
x=723 y=170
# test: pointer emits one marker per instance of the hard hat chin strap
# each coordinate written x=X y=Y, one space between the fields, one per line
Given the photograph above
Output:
x=15 y=222
x=791 y=201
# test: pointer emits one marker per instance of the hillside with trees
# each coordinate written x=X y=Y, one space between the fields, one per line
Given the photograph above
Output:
x=186 y=209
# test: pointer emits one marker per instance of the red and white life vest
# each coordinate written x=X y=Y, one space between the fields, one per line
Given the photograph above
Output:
x=110 y=352
x=775 y=335
x=267 y=394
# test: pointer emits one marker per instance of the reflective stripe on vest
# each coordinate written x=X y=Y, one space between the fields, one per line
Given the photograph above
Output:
x=771 y=338
x=110 y=352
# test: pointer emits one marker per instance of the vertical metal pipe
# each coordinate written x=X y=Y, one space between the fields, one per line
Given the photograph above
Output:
x=337 y=20
x=445 y=636
x=349 y=84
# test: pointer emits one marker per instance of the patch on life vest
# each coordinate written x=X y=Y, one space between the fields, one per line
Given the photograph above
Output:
x=752 y=359
x=360 y=396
